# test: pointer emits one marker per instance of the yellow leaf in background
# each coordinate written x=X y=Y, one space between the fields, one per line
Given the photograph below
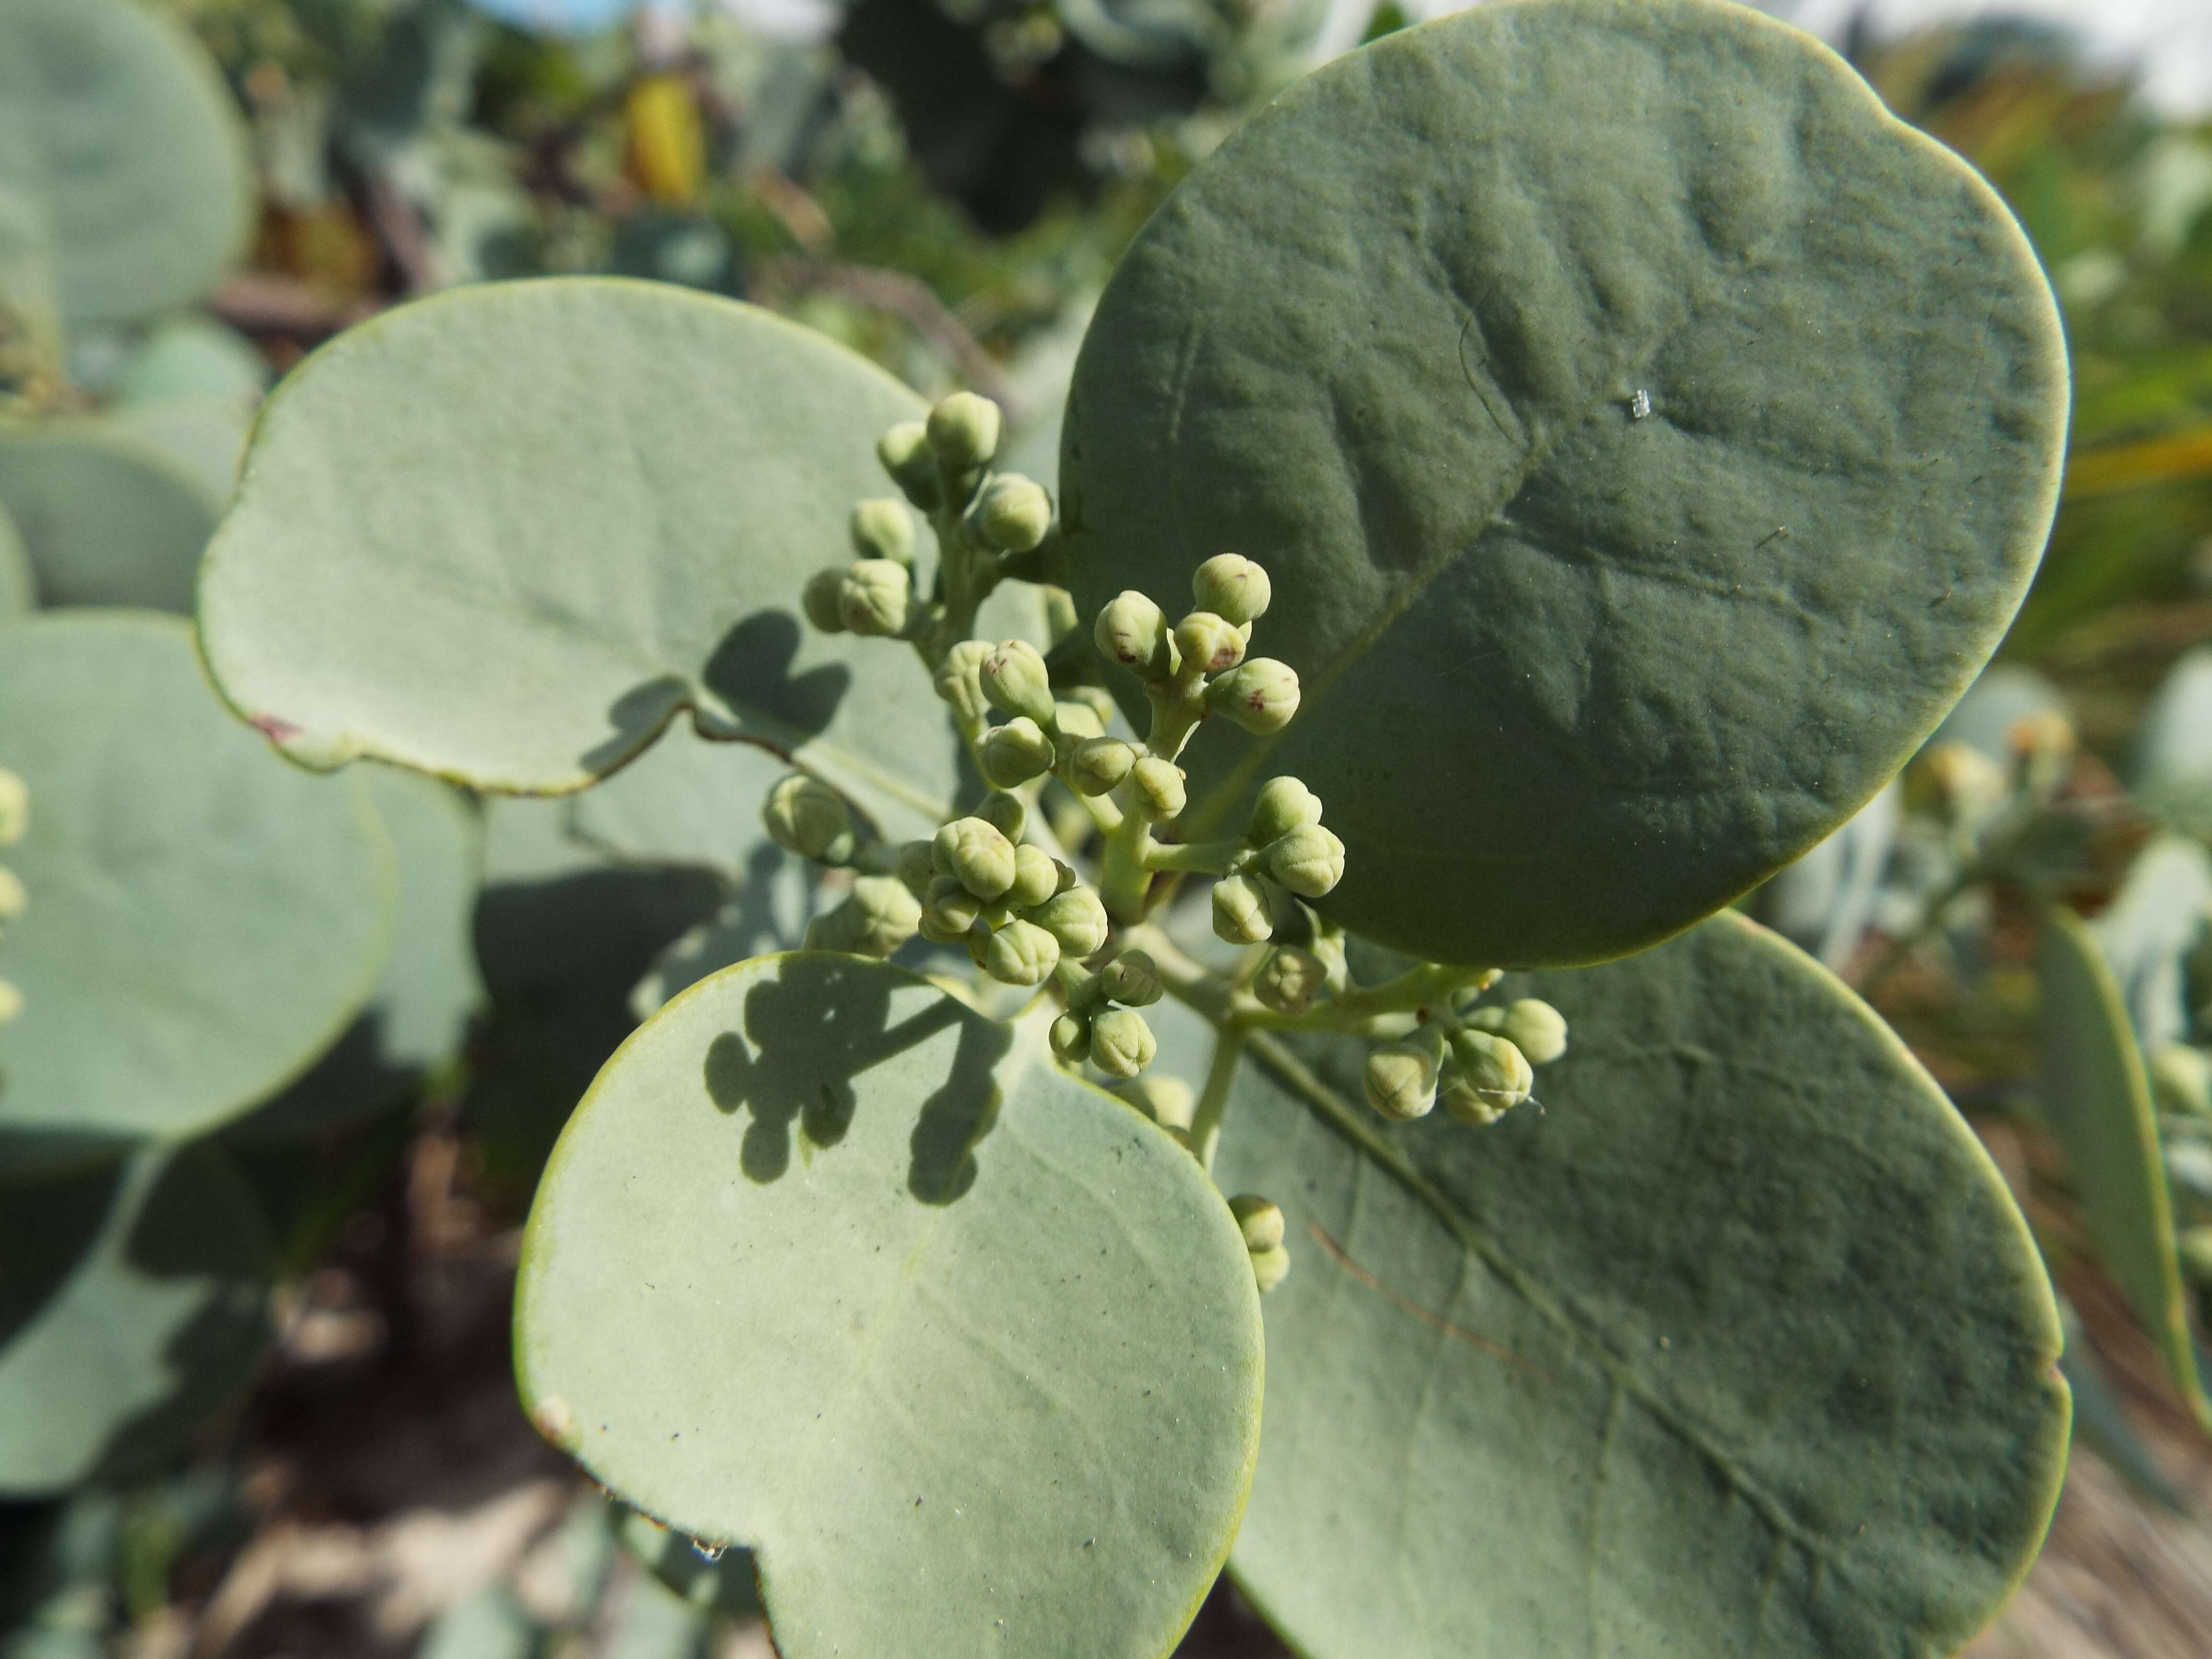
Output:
x=2175 y=459
x=666 y=138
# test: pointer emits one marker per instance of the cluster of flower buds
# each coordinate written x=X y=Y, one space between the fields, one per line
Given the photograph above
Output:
x=1481 y=1062
x=15 y=824
x=1102 y=1023
x=1017 y=908
x=1198 y=667
x=874 y=594
x=1261 y=1223
x=1039 y=732
x=1287 y=856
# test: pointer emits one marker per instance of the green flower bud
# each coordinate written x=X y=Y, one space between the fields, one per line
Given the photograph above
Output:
x=876 y=917
x=1100 y=763
x=1003 y=813
x=1283 y=805
x=977 y=856
x=1014 y=753
x=906 y=455
x=959 y=682
x=916 y=867
x=1242 y=914
x=1021 y=953
x=1260 y=695
x=1077 y=721
x=1538 y=1030
x=1014 y=678
x=875 y=598
x=949 y=917
x=1061 y=618
x=13 y=901
x=1037 y=877
x=1308 y=861
x=2181 y=1078
x=1493 y=1076
x=1258 y=1219
x=1400 y=1079
x=1097 y=699
x=11 y=1002
x=1233 y=587
x=1010 y=514
x=1159 y=786
x=2194 y=1243
x=1121 y=1043
x=883 y=529
x=964 y=430
x=1077 y=918
x=1270 y=1267
x=1070 y=1036
x=15 y=808
x=1205 y=640
x=805 y=816
x=823 y=600
x=1290 y=980
x=1168 y=1101
x=1132 y=978
x=1133 y=632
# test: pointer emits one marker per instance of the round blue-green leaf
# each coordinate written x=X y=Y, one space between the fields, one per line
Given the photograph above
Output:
x=829 y=1265
x=114 y=123
x=1734 y=1344
x=505 y=534
x=204 y=919
x=109 y=515
x=1648 y=437
x=134 y=1302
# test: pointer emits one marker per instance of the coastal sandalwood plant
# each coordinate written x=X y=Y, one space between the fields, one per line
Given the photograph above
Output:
x=1597 y=443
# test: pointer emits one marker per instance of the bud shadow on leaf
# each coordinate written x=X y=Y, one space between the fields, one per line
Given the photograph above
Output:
x=822 y=1021
x=750 y=672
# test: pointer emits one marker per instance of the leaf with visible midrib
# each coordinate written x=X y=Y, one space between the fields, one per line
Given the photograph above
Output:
x=1576 y=672
x=507 y=533
x=829 y=1264
x=1735 y=1343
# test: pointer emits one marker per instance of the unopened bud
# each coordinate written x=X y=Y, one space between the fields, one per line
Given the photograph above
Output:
x=884 y=528
x=1168 y=1101
x=1004 y=812
x=1037 y=877
x=1159 y=787
x=1259 y=695
x=1492 y=1077
x=949 y=913
x=1242 y=914
x=916 y=868
x=1070 y=1036
x=1132 y=978
x=1270 y=1267
x=1021 y=953
x=906 y=455
x=1401 y=1079
x=1258 y=1219
x=1010 y=514
x=959 y=681
x=1283 y=805
x=1061 y=618
x=1538 y=1030
x=1233 y=587
x=1100 y=763
x=875 y=597
x=1204 y=639
x=13 y=901
x=2181 y=1077
x=1308 y=861
x=1077 y=918
x=1014 y=678
x=976 y=854
x=1077 y=721
x=1290 y=980
x=1121 y=1043
x=2196 y=1251
x=15 y=808
x=805 y=816
x=1133 y=632
x=11 y=1002
x=1014 y=753
x=877 y=916
x=963 y=430
x=1969 y=784
x=823 y=600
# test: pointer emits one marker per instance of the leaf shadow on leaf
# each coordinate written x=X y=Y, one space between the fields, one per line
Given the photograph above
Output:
x=819 y=1025
x=46 y=1228
x=637 y=716
x=749 y=672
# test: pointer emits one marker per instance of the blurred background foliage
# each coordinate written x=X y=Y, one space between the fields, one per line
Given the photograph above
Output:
x=945 y=185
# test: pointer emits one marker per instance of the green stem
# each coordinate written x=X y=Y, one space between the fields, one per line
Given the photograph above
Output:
x=1213 y=1101
x=1206 y=857
x=1433 y=987
x=1125 y=879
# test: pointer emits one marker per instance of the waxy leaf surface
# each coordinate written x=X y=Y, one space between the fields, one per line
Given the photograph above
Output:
x=1736 y=1344
x=1648 y=435
x=829 y=1265
x=204 y=919
x=110 y=515
x=506 y=534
